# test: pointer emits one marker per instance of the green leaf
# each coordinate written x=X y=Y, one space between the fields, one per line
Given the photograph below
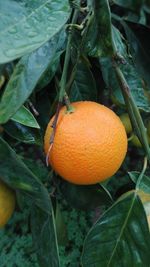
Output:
x=84 y=86
x=120 y=237
x=25 y=117
x=26 y=75
x=44 y=237
x=27 y=25
x=145 y=182
x=14 y=172
x=61 y=228
x=132 y=77
x=130 y=4
x=85 y=197
x=22 y=133
x=50 y=71
x=118 y=39
x=139 y=45
x=98 y=37
x=130 y=73
x=38 y=168
x=118 y=184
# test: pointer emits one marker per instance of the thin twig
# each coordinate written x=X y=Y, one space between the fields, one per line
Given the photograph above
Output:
x=36 y=113
x=54 y=124
x=134 y=113
x=63 y=80
x=62 y=85
x=70 y=108
x=141 y=174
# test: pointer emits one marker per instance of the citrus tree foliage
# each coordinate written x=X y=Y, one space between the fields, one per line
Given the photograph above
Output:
x=107 y=44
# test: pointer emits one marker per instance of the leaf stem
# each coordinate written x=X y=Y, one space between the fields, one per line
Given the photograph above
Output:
x=51 y=141
x=62 y=85
x=134 y=113
x=63 y=80
x=70 y=109
x=141 y=174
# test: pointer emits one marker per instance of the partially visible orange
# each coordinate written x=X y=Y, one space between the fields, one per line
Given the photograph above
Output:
x=90 y=144
x=7 y=203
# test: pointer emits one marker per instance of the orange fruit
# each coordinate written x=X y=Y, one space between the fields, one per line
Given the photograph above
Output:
x=7 y=203
x=90 y=144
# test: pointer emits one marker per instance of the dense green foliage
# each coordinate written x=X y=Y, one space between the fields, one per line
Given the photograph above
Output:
x=93 y=50
x=16 y=244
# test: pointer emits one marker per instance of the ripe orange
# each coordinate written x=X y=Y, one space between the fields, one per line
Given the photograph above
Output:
x=89 y=145
x=7 y=203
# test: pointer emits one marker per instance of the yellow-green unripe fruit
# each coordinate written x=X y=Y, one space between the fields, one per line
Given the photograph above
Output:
x=145 y=198
x=7 y=203
x=126 y=122
x=136 y=142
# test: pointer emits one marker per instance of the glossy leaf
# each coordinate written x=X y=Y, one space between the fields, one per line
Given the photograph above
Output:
x=27 y=25
x=120 y=237
x=48 y=74
x=89 y=196
x=132 y=77
x=14 y=172
x=139 y=45
x=25 y=117
x=44 y=237
x=130 y=73
x=98 y=37
x=22 y=133
x=26 y=75
x=145 y=182
x=84 y=86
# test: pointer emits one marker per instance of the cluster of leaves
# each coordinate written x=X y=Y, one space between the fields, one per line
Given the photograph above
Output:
x=32 y=49
x=16 y=244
